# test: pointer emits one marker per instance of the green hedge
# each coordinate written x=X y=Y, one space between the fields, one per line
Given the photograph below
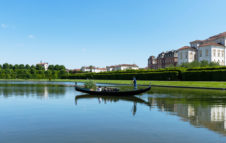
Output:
x=170 y=75
x=204 y=75
x=188 y=75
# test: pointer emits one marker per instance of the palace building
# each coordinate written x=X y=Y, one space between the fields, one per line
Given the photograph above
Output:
x=211 y=49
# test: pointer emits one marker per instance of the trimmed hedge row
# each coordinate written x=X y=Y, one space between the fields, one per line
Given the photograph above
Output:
x=193 y=74
x=204 y=75
x=171 y=75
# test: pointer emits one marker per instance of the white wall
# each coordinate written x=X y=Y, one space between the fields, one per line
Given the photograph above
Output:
x=211 y=57
x=202 y=51
x=188 y=56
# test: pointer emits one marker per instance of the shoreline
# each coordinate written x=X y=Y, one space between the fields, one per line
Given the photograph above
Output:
x=212 y=85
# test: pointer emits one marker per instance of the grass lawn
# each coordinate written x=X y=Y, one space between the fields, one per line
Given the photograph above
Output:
x=168 y=83
x=210 y=84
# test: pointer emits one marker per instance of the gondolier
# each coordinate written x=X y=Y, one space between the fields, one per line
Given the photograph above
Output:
x=134 y=82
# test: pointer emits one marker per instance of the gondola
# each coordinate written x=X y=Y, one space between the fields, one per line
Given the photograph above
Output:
x=112 y=93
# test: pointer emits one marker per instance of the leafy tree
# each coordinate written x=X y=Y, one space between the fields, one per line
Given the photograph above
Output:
x=51 y=67
x=5 y=66
x=204 y=63
x=39 y=67
x=27 y=67
x=16 y=66
x=21 y=66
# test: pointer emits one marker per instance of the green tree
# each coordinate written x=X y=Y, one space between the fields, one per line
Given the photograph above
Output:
x=27 y=67
x=5 y=66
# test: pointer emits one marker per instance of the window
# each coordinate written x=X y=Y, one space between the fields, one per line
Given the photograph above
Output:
x=214 y=52
x=218 y=53
x=191 y=55
x=207 y=52
x=222 y=53
x=181 y=55
x=200 y=53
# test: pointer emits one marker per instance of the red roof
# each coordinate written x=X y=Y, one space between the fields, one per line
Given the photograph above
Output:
x=196 y=41
x=42 y=63
x=129 y=65
x=185 y=47
x=210 y=44
x=75 y=70
x=216 y=36
x=101 y=68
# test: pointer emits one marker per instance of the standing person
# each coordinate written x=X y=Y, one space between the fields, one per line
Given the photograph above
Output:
x=134 y=82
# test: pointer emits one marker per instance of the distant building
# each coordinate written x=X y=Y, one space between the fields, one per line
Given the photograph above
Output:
x=45 y=65
x=171 y=58
x=93 y=69
x=74 y=70
x=163 y=60
x=122 y=67
x=152 y=62
x=211 y=50
x=186 y=54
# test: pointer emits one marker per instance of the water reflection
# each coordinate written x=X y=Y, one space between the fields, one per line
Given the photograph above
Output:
x=42 y=91
x=201 y=108
x=105 y=99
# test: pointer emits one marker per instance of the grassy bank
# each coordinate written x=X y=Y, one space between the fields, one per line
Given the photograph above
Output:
x=210 y=84
x=167 y=83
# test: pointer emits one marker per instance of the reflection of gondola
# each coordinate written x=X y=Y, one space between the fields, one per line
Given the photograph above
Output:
x=112 y=93
x=133 y=99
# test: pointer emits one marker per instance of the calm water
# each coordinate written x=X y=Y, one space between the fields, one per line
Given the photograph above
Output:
x=33 y=112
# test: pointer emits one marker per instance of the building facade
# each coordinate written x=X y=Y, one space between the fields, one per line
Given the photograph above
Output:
x=163 y=60
x=122 y=67
x=212 y=50
x=171 y=58
x=152 y=62
x=186 y=54
x=93 y=69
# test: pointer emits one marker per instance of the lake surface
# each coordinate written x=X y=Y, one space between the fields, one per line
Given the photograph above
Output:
x=43 y=112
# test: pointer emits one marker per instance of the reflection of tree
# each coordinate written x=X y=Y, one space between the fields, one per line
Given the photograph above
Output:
x=106 y=99
x=32 y=90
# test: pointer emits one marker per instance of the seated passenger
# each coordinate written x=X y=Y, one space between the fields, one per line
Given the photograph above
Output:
x=99 y=89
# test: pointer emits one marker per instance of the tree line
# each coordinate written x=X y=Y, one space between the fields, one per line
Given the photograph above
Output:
x=21 y=71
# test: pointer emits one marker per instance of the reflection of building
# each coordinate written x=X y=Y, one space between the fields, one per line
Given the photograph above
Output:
x=211 y=117
x=218 y=114
x=46 y=93
x=191 y=111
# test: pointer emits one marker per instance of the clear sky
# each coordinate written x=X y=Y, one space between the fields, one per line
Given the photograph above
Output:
x=103 y=32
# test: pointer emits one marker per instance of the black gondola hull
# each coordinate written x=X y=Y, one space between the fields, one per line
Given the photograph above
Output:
x=112 y=93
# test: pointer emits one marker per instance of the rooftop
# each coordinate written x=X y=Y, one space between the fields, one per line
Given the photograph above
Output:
x=186 y=47
x=42 y=63
x=210 y=44
x=217 y=36
x=128 y=65
x=196 y=41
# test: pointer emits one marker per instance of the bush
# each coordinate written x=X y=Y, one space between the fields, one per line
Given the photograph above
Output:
x=90 y=84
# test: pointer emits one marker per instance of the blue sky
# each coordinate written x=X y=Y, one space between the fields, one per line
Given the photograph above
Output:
x=103 y=32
